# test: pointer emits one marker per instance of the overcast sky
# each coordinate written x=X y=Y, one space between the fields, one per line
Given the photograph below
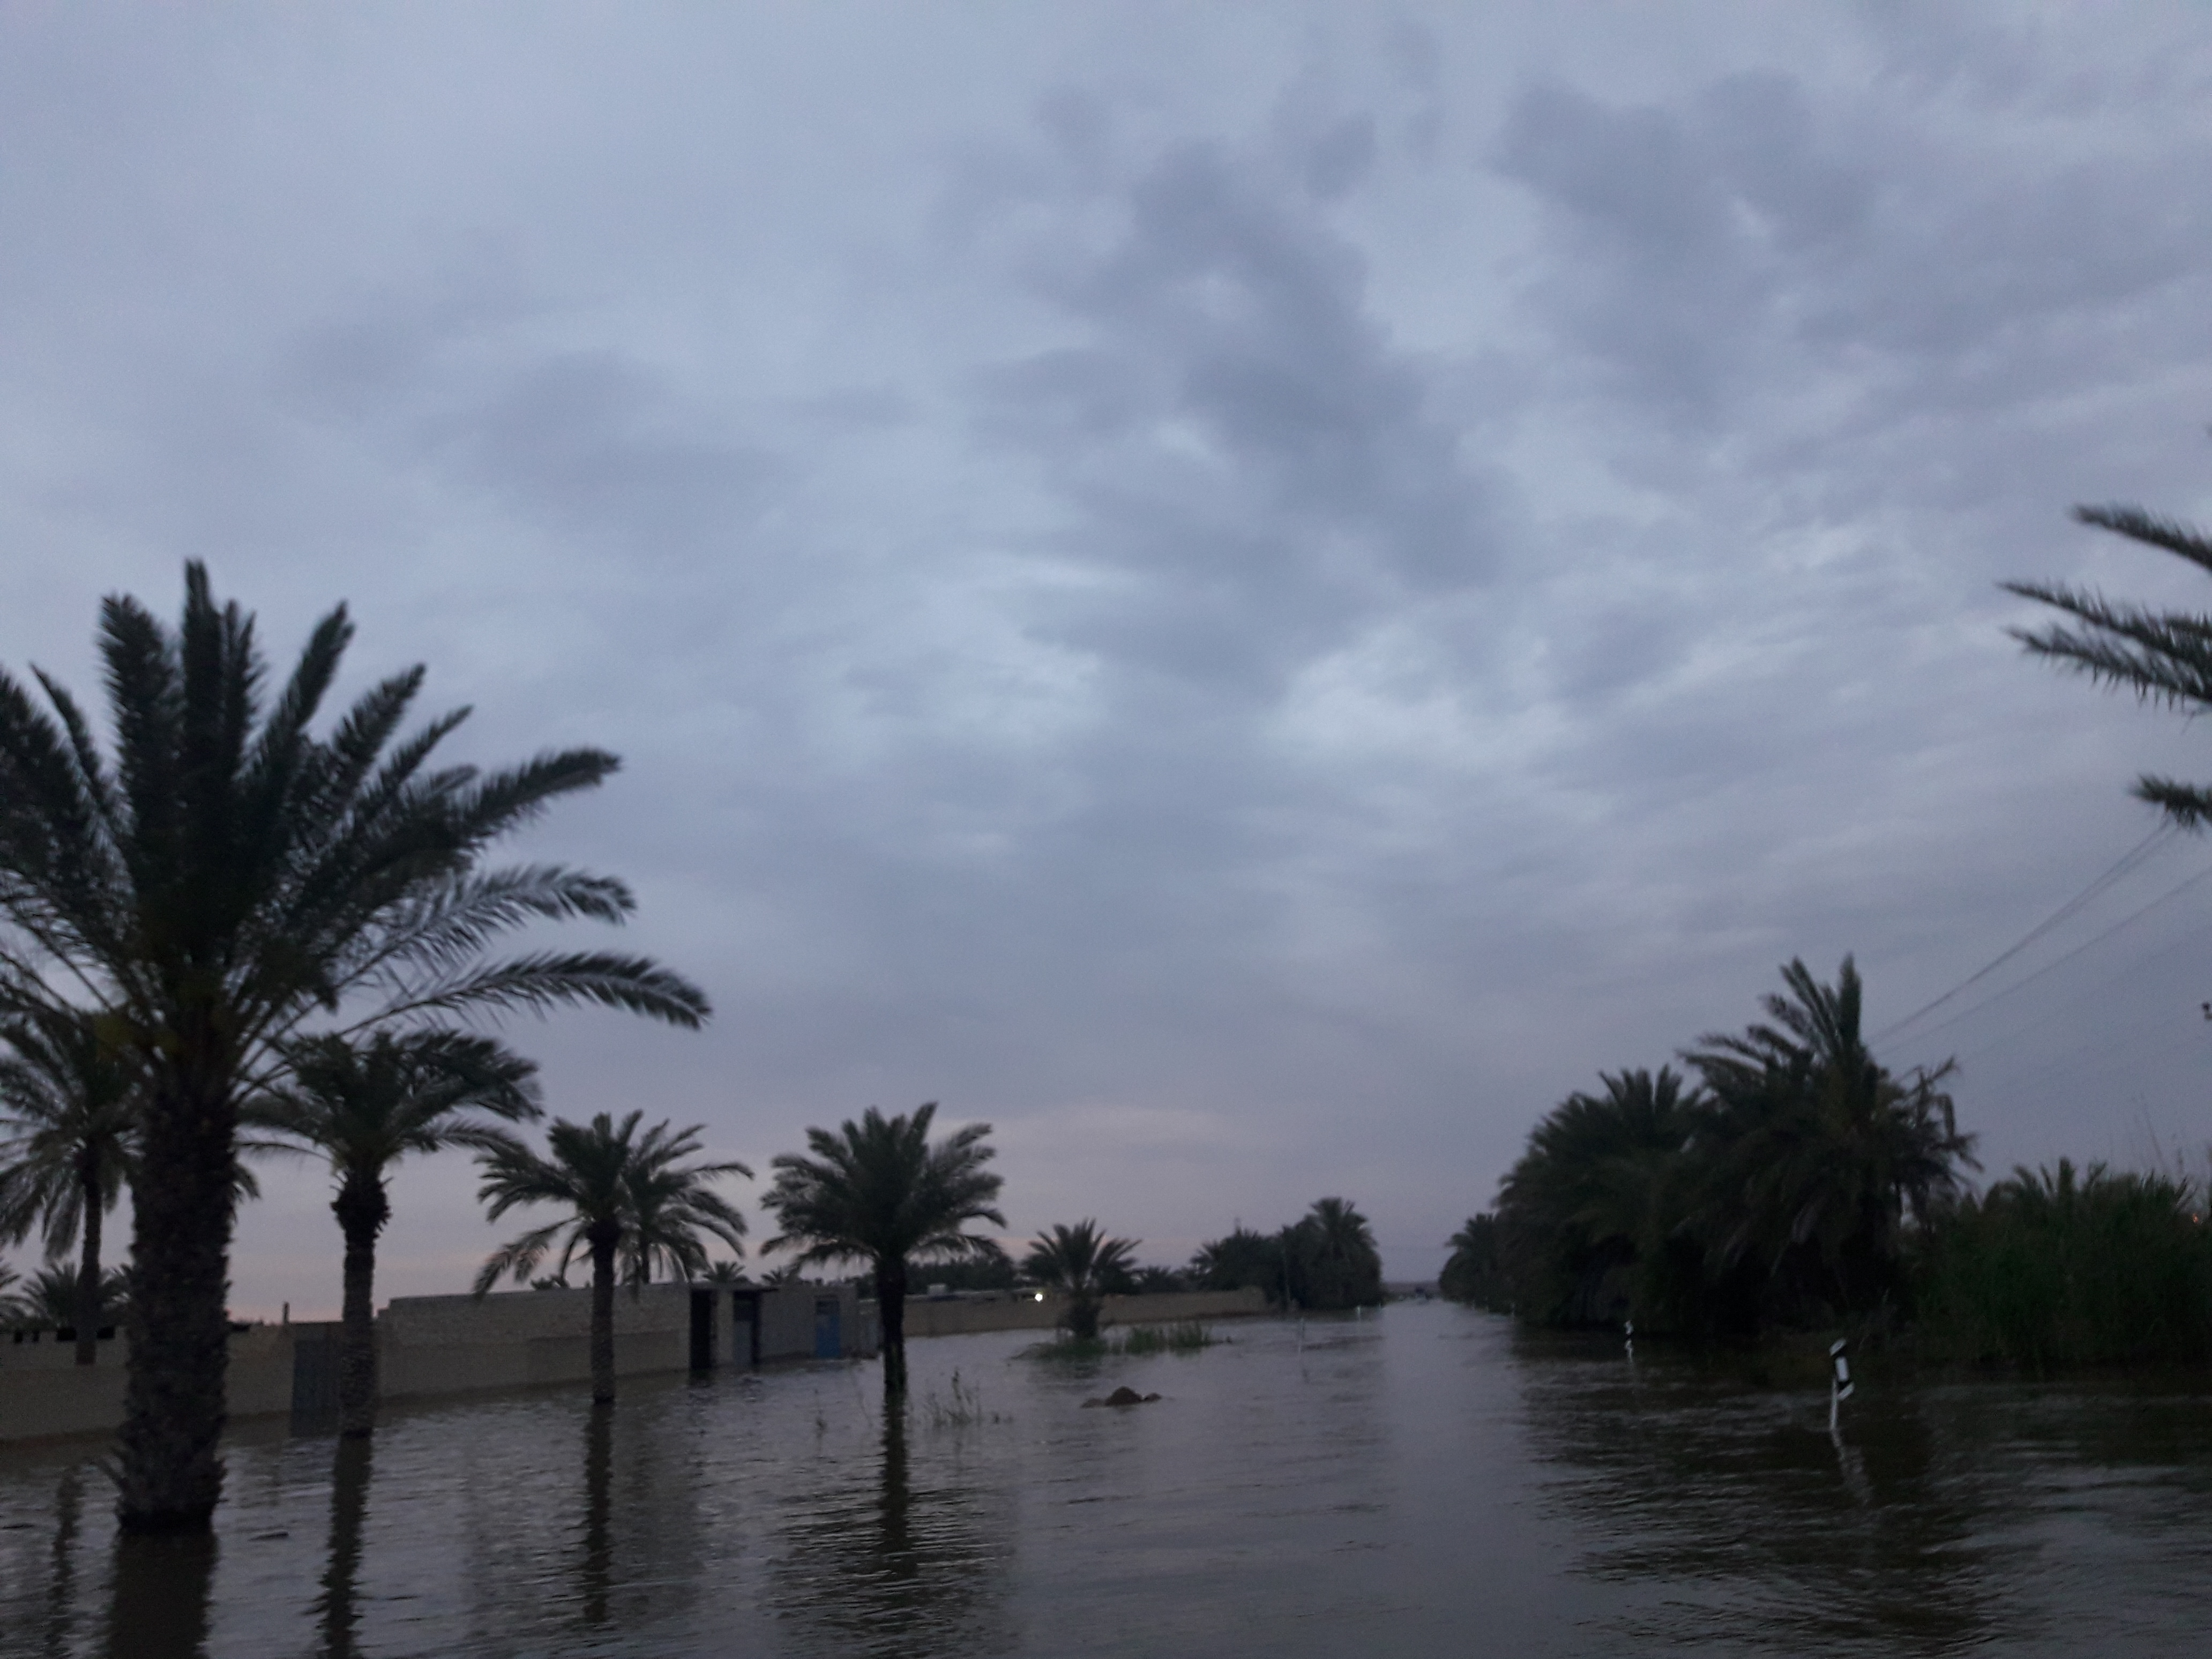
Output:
x=1249 y=593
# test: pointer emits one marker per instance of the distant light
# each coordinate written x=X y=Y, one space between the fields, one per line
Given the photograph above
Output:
x=1040 y=1296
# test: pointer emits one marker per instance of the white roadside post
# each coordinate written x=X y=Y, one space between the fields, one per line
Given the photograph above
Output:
x=1839 y=1383
x=1628 y=1336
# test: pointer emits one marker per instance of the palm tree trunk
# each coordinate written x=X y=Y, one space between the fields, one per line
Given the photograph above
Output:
x=169 y=1476
x=891 y=1308
x=362 y=1209
x=87 y=1273
x=602 y=1236
x=1083 y=1314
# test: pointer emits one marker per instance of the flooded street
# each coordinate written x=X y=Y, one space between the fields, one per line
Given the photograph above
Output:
x=1423 y=1481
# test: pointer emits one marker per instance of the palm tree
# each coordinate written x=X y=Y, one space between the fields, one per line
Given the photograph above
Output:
x=1812 y=1156
x=52 y=1298
x=1474 y=1272
x=364 y=1106
x=1245 y=1258
x=671 y=1218
x=878 y=1191
x=229 y=875
x=10 y=1307
x=1084 y=1264
x=1588 y=1202
x=628 y=1194
x=68 y=1120
x=1343 y=1269
x=2162 y=657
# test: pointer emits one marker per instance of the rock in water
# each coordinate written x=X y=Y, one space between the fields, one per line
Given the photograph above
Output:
x=1123 y=1396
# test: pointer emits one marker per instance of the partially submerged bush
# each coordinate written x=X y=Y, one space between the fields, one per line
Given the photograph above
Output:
x=1184 y=1336
x=2053 y=1269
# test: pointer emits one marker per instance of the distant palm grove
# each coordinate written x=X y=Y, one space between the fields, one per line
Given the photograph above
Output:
x=1789 y=1181
x=1785 y=1179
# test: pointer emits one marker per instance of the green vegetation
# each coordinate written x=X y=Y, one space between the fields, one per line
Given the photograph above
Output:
x=52 y=1299
x=227 y=877
x=628 y=1197
x=365 y=1105
x=69 y=1122
x=2051 y=1269
x=2163 y=657
x=878 y=1191
x=963 y=1409
x=1182 y=1336
x=1325 y=1260
x=1084 y=1263
x=1475 y=1270
x=1785 y=1190
x=1800 y=1185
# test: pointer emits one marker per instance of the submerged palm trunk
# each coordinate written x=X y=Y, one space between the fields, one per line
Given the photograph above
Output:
x=169 y=1477
x=88 y=1272
x=362 y=1209
x=1083 y=1311
x=603 y=1235
x=890 y=1308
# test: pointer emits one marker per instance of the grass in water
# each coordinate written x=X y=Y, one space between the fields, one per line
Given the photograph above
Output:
x=966 y=1407
x=1185 y=1336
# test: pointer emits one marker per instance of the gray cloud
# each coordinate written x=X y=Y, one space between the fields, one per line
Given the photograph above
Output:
x=1252 y=596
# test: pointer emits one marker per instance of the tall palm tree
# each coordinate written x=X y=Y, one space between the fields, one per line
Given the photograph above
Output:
x=878 y=1191
x=69 y=1121
x=229 y=875
x=364 y=1105
x=628 y=1196
x=1086 y=1264
x=1343 y=1265
x=1813 y=1156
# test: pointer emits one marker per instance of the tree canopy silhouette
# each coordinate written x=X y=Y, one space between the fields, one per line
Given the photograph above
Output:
x=227 y=879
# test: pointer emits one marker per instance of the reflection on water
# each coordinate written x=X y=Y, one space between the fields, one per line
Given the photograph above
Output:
x=596 y=1575
x=161 y=1584
x=1427 y=1482
x=883 y=1568
x=336 y=1608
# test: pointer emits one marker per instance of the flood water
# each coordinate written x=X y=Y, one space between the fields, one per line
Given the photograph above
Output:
x=1423 y=1482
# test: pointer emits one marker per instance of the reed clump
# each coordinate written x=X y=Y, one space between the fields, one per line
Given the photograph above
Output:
x=2055 y=1269
x=963 y=1409
x=1183 y=1336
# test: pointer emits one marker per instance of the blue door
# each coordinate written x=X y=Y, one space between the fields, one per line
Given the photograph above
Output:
x=829 y=1343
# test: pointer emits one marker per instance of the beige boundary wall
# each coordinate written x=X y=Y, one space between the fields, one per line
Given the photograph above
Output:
x=45 y=1394
x=1016 y=1311
x=435 y=1346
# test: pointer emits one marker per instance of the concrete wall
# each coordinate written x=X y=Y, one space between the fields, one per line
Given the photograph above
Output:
x=432 y=1345
x=1021 y=1311
x=44 y=1394
x=441 y=1344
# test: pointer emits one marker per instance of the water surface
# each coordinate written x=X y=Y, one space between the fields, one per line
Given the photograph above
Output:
x=1425 y=1481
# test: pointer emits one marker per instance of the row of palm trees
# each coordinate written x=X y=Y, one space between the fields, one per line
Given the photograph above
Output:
x=1784 y=1179
x=1325 y=1260
x=195 y=904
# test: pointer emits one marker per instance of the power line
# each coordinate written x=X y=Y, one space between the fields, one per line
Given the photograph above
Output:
x=2065 y=912
x=2128 y=921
